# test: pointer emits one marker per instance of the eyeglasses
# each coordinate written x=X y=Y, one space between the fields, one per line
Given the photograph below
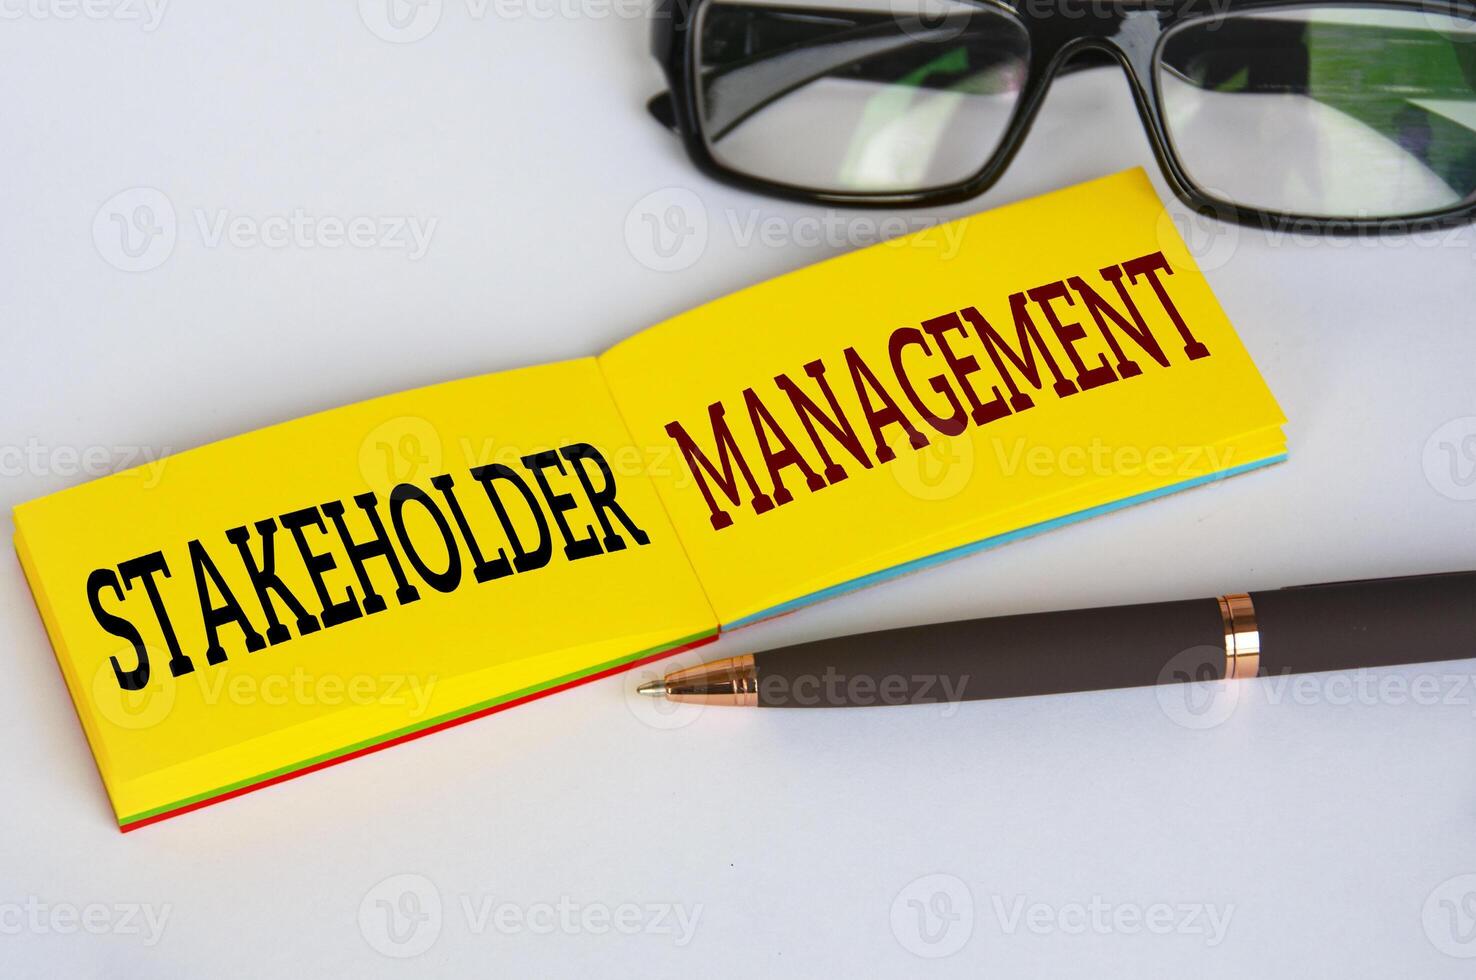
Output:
x=1340 y=115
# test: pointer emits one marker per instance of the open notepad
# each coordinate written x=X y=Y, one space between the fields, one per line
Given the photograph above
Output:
x=270 y=604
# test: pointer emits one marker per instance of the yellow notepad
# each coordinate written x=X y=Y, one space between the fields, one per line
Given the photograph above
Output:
x=1118 y=411
x=273 y=603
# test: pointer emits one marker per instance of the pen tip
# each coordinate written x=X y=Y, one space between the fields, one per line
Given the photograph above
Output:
x=653 y=689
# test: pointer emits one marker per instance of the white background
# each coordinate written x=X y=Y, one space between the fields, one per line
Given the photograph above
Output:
x=1328 y=824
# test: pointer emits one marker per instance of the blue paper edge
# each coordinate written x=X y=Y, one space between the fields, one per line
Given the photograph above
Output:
x=917 y=564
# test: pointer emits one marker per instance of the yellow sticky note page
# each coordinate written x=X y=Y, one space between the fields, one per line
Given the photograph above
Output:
x=951 y=389
x=263 y=606
x=247 y=611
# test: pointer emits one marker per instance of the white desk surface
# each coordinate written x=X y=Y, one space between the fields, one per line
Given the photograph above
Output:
x=1309 y=833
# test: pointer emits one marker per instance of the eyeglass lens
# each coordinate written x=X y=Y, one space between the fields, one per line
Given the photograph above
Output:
x=1332 y=111
x=862 y=96
x=1323 y=110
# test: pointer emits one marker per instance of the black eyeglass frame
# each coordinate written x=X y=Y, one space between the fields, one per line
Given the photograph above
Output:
x=1130 y=33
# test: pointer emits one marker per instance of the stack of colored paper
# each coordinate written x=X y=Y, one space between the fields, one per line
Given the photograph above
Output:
x=270 y=604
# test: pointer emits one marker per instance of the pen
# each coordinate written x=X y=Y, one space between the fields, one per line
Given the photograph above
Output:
x=1333 y=626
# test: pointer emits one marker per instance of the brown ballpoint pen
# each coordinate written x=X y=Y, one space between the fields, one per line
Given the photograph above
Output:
x=1335 y=626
